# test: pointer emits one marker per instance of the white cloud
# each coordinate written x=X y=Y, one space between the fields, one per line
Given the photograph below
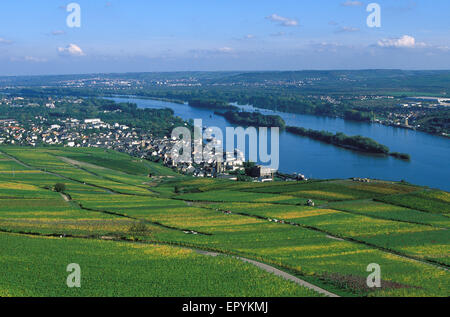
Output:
x=443 y=48
x=246 y=37
x=5 y=41
x=283 y=21
x=352 y=4
x=31 y=59
x=222 y=51
x=58 y=32
x=34 y=59
x=405 y=41
x=326 y=47
x=347 y=29
x=278 y=34
x=225 y=50
x=71 y=50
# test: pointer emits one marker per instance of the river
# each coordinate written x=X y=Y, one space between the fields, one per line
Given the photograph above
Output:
x=430 y=155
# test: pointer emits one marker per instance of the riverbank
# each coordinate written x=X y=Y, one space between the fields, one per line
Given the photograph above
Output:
x=320 y=160
x=355 y=143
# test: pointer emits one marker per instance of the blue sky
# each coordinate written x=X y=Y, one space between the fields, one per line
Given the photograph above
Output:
x=177 y=35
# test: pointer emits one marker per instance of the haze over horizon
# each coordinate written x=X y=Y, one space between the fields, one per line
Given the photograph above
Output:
x=137 y=36
x=220 y=71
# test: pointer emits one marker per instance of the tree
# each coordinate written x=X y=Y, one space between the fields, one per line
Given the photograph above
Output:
x=244 y=178
x=248 y=166
x=59 y=187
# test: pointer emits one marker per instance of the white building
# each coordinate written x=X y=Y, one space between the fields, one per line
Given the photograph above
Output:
x=92 y=121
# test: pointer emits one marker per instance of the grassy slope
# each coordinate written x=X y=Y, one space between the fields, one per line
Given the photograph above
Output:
x=36 y=266
x=345 y=209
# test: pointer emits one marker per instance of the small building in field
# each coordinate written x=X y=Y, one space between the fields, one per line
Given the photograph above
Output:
x=262 y=172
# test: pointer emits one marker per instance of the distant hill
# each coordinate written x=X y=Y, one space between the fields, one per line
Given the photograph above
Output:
x=342 y=81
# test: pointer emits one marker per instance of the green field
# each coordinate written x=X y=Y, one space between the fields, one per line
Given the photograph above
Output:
x=135 y=225
x=123 y=269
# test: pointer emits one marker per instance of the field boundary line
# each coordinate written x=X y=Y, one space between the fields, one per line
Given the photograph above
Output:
x=388 y=219
x=408 y=207
x=112 y=213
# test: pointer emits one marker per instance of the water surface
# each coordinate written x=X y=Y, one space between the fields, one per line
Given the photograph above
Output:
x=430 y=155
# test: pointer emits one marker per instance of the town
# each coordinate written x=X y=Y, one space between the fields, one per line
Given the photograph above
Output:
x=95 y=133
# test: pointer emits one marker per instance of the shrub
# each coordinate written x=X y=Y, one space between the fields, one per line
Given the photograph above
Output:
x=138 y=227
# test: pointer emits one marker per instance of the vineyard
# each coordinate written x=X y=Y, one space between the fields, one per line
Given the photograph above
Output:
x=139 y=229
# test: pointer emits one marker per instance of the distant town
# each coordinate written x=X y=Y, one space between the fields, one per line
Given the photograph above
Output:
x=315 y=93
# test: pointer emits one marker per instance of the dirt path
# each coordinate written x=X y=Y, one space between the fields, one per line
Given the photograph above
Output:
x=78 y=163
x=277 y=272
x=32 y=167
x=82 y=166
x=65 y=197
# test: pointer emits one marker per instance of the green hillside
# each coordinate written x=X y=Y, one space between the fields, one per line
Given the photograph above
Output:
x=136 y=228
